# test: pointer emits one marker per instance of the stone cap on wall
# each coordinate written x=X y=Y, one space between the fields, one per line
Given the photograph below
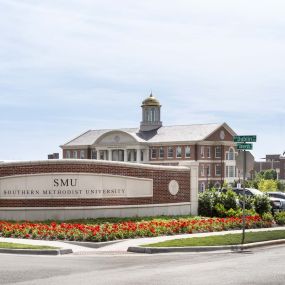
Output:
x=95 y=162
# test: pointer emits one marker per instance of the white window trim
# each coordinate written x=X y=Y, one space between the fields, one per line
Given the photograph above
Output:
x=188 y=146
x=152 y=151
x=216 y=170
x=168 y=152
x=216 y=152
x=202 y=170
x=231 y=149
x=202 y=151
x=208 y=167
x=80 y=154
x=209 y=152
x=159 y=156
x=177 y=152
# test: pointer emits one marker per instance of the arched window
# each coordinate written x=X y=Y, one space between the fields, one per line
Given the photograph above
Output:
x=231 y=154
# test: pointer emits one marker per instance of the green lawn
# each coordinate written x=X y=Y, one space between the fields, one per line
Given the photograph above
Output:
x=228 y=239
x=11 y=245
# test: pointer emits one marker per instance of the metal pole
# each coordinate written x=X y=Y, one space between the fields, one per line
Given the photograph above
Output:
x=243 y=194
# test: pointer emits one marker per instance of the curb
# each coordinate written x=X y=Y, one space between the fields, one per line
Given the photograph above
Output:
x=36 y=251
x=234 y=248
x=93 y=244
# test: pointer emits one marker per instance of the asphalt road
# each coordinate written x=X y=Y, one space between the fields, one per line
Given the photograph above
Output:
x=260 y=266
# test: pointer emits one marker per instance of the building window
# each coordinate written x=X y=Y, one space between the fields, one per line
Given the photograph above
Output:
x=68 y=154
x=218 y=170
x=118 y=155
x=142 y=155
x=94 y=154
x=230 y=171
x=202 y=173
x=75 y=154
x=161 y=152
x=187 y=151
x=208 y=152
x=170 y=152
x=153 y=153
x=103 y=154
x=230 y=154
x=202 y=151
x=178 y=152
x=202 y=187
x=82 y=154
x=208 y=170
x=218 y=152
x=131 y=155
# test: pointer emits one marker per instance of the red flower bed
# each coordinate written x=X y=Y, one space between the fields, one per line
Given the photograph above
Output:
x=111 y=231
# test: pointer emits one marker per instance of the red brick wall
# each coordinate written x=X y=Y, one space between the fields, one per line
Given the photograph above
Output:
x=216 y=135
x=161 y=179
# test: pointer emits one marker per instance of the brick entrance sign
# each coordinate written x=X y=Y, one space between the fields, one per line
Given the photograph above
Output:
x=68 y=189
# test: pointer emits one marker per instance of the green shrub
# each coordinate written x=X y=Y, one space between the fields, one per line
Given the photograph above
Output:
x=229 y=200
x=267 y=217
x=249 y=202
x=205 y=206
x=219 y=211
x=280 y=218
x=262 y=204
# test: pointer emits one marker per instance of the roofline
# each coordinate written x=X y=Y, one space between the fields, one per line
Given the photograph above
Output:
x=114 y=131
x=61 y=146
x=226 y=126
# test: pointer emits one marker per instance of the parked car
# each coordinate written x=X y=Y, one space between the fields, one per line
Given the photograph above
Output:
x=278 y=195
x=277 y=203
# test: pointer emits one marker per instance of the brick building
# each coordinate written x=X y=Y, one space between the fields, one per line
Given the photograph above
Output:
x=272 y=161
x=211 y=145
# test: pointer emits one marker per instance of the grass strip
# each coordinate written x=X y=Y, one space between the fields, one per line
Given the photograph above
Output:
x=228 y=239
x=11 y=245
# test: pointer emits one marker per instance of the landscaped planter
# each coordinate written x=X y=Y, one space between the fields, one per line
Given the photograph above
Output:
x=112 y=231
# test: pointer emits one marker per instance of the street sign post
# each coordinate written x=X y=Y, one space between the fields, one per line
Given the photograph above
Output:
x=242 y=144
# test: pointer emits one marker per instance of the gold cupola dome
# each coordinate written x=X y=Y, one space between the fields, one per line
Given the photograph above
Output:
x=150 y=101
x=150 y=114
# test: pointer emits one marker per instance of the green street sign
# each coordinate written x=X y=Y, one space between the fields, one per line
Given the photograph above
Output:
x=240 y=139
x=244 y=146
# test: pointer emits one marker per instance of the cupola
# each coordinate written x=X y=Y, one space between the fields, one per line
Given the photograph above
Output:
x=150 y=114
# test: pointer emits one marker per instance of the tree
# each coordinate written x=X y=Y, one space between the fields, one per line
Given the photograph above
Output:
x=270 y=174
x=267 y=185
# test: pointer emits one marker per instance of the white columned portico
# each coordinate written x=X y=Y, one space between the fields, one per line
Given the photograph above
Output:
x=125 y=154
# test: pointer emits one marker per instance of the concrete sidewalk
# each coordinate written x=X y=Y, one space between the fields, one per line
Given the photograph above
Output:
x=122 y=246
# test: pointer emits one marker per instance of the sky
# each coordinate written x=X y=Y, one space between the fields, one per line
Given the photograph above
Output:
x=68 y=66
